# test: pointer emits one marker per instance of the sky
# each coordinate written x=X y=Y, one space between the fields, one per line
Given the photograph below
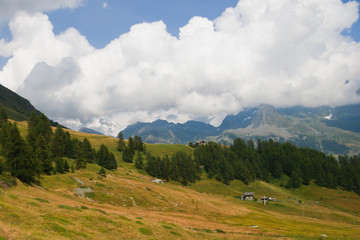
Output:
x=108 y=64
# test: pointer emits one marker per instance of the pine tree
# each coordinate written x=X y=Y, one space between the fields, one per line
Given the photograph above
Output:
x=112 y=164
x=66 y=166
x=59 y=165
x=139 y=160
x=121 y=142
x=2 y=167
x=131 y=145
x=71 y=148
x=57 y=143
x=38 y=126
x=103 y=155
x=127 y=155
x=42 y=154
x=18 y=160
x=138 y=144
x=87 y=150
x=166 y=168
x=3 y=117
x=295 y=179
x=105 y=158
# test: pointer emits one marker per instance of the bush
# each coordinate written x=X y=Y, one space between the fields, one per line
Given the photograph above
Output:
x=145 y=231
x=102 y=172
x=175 y=233
x=7 y=181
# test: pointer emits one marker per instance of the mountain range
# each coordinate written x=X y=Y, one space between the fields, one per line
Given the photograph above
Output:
x=329 y=129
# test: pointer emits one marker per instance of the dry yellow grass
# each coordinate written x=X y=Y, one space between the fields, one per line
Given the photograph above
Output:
x=126 y=201
x=126 y=205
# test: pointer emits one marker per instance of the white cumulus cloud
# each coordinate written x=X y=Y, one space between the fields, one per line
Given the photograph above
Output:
x=280 y=52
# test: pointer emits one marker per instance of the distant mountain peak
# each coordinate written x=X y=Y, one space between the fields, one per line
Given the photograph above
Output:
x=89 y=130
x=108 y=127
x=267 y=115
x=302 y=126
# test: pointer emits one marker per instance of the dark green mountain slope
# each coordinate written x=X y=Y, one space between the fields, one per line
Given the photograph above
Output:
x=17 y=107
x=345 y=117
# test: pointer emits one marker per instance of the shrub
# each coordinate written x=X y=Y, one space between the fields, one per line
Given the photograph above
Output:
x=41 y=200
x=124 y=218
x=175 y=233
x=102 y=172
x=145 y=231
x=7 y=181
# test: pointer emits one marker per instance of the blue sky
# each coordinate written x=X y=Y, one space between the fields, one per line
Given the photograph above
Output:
x=83 y=61
x=101 y=24
x=354 y=32
x=102 y=21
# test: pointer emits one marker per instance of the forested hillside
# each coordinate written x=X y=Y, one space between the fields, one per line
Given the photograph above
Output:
x=99 y=180
x=270 y=160
x=44 y=151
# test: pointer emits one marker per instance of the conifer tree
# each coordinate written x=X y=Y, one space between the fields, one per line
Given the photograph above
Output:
x=88 y=153
x=2 y=167
x=59 y=165
x=121 y=143
x=131 y=145
x=138 y=144
x=66 y=166
x=103 y=156
x=57 y=144
x=42 y=154
x=139 y=162
x=127 y=155
x=112 y=162
x=38 y=126
x=166 y=168
x=18 y=160
x=3 y=117
x=70 y=148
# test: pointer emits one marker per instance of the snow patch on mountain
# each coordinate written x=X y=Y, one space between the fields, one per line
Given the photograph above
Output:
x=328 y=117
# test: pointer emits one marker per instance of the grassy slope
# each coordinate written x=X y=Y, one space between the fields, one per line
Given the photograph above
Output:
x=126 y=205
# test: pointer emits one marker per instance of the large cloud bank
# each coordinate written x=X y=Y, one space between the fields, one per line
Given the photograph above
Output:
x=280 y=52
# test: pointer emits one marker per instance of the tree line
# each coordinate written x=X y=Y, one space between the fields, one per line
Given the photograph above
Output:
x=247 y=161
x=270 y=159
x=179 y=167
x=44 y=151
